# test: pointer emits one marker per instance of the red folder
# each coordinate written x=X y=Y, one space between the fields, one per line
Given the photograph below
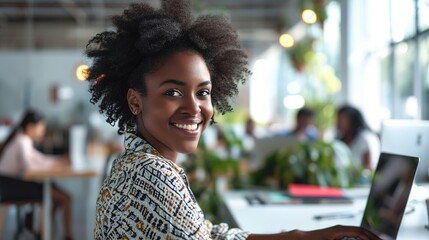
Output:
x=305 y=190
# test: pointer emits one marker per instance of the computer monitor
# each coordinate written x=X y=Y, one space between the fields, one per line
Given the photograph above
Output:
x=264 y=147
x=77 y=147
x=408 y=137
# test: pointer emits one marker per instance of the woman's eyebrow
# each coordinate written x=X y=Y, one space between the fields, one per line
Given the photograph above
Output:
x=181 y=83
x=173 y=81
x=205 y=83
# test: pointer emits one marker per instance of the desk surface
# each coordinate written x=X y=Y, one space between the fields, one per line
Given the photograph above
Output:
x=47 y=176
x=286 y=217
x=58 y=173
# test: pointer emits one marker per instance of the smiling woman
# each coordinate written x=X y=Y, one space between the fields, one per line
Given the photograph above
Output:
x=177 y=106
x=159 y=75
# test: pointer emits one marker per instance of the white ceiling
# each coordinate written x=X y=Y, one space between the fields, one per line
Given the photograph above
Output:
x=53 y=24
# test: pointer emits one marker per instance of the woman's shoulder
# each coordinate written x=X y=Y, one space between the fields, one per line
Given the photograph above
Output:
x=139 y=162
x=366 y=138
x=368 y=135
x=20 y=141
x=22 y=138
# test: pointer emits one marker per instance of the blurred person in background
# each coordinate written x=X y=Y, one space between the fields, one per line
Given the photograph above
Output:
x=249 y=134
x=18 y=155
x=353 y=130
x=304 y=129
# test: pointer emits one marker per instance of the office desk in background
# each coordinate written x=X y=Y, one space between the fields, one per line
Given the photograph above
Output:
x=47 y=176
x=259 y=218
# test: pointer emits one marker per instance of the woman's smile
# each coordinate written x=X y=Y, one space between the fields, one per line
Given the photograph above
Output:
x=188 y=127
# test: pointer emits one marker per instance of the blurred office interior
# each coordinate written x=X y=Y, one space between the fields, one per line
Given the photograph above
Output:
x=314 y=53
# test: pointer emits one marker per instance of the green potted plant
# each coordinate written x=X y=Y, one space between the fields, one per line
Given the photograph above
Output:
x=317 y=163
x=207 y=170
x=301 y=53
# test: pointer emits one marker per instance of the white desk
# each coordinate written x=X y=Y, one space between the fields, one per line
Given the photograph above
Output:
x=277 y=218
x=47 y=176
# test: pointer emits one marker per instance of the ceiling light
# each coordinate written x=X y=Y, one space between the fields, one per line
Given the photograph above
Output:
x=286 y=40
x=82 y=72
x=309 y=16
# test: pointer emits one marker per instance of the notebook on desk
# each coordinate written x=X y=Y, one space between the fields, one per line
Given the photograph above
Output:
x=300 y=194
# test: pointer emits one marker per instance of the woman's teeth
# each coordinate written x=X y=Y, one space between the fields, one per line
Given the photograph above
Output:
x=190 y=127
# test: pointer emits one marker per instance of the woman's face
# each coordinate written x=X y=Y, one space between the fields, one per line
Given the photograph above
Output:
x=177 y=107
x=36 y=131
x=343 y=123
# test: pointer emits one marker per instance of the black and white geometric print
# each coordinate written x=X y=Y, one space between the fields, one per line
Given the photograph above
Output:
x=147 y=196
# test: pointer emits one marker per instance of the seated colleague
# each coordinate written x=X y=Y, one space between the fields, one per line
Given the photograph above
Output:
x=354 y=131
x=158 y=75
x=304 y=129
x=249 y=135
x=18 y=155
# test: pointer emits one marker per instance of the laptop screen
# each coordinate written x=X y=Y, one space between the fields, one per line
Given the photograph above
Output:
x=388 y=196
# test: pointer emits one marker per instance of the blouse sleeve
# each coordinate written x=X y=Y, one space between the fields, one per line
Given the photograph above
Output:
x=33 y=159
x=223 y=232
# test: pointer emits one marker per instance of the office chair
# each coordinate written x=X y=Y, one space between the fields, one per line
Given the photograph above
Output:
x=15 y=192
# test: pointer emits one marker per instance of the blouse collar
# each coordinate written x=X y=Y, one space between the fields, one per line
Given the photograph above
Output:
x=134 y=143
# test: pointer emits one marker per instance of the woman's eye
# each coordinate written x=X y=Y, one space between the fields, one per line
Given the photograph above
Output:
x=204 y=93
x=173 y=93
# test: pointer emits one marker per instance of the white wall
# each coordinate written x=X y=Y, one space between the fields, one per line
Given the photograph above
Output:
x=26 y=78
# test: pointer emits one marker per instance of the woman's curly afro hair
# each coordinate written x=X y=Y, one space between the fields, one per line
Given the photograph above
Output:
x=143 y=38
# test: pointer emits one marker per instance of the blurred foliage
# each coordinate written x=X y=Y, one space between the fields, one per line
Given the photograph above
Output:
x=301 y=53
x=205 y=187
x=321 y=85
x=205 y=167
x=238 y=115
x=318 y=6
x=317 y=163
x=317 y=78
x=324 y=112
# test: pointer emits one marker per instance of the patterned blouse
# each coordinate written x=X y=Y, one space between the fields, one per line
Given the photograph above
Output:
x=147 y=196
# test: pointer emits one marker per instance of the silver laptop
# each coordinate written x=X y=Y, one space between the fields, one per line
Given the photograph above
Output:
x=408 y=137
x=388 y=196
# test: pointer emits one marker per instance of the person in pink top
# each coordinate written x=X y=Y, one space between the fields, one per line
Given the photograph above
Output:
x=18 y=155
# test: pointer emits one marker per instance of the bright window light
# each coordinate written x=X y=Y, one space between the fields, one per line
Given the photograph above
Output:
x=293 y=87
x=294 y=101
x=412 y=106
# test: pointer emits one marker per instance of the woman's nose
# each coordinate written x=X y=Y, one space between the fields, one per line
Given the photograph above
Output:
x=191 y=105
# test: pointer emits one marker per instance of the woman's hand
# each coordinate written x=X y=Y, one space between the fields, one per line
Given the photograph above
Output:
x=62 y=162
x=340 y=232
x=331 y=233
x=65 y=160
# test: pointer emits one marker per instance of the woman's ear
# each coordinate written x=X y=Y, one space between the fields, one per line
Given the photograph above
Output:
x=134 y=101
